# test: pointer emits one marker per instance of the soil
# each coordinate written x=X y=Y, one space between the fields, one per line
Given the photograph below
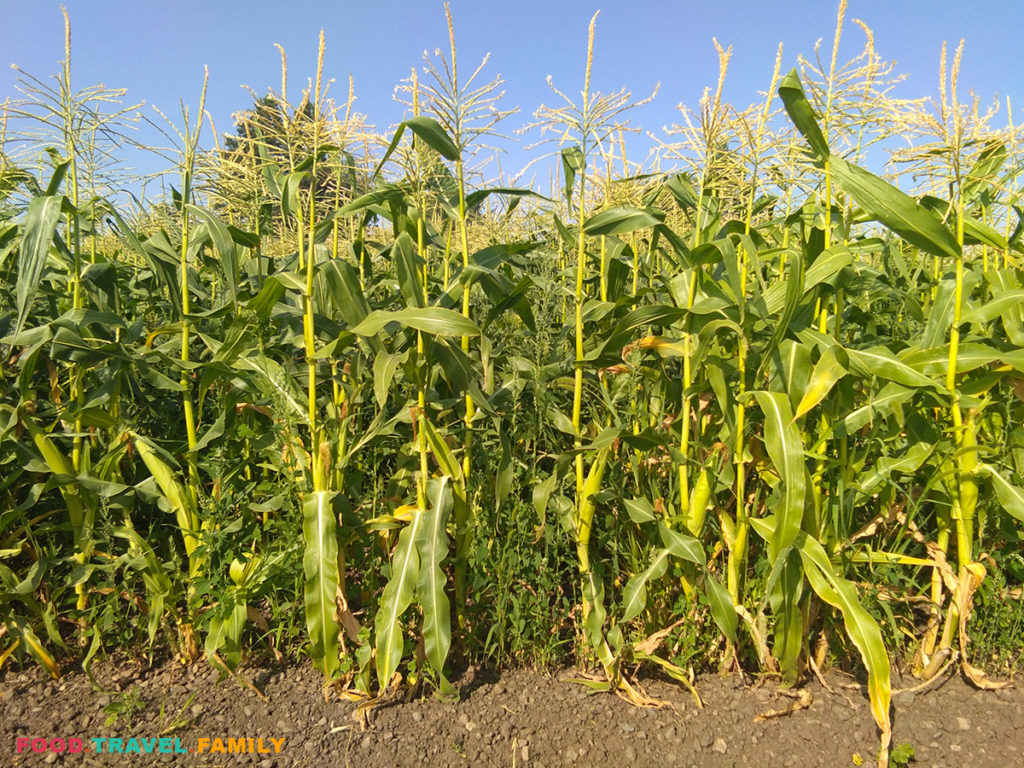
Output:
x=512 y=719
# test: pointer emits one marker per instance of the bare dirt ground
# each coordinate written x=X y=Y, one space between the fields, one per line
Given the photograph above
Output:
x=513 y=719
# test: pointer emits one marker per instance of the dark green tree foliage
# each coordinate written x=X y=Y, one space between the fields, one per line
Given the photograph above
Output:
x=271 y=137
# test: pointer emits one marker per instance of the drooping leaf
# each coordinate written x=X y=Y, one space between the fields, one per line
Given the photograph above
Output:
x=829 y=369
x=681 y=545
x=722 y=609
x=37 y=235
x=634 y=594
x=397 y=596
x=430 y=132
x=1010 y=496
x=432 y=548
x=434 y=320
x=785 y=448
x=320 y=573
x=791 y=91
x=639 y=510
x=620 y=220
x=861 y=628
x=895 y=209
x=225 y=244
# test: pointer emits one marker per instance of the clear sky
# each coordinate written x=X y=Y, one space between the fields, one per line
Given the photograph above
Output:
x=157 y=50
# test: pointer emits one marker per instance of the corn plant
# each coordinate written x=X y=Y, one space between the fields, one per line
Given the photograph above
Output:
x=758 y=397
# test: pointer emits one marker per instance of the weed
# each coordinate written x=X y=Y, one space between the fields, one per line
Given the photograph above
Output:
x=125 y=705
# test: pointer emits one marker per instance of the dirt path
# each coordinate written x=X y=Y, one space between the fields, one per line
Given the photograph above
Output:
x=517 y=719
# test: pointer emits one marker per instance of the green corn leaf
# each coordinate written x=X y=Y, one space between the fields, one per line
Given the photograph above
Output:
x=940 y=316
x=573 y=163
x=433 y=320
x=722 y=609
x=906 y=462
x=24 y=635
x=975 y=231
x=1003 y=281
x=290 y=202
x=431 y=133
x=504 y=476
x=879 y=361
x=895 y=209
x=60 y=172
x=861 y=628
x=681 y=545
x=640 y=510
x=343 y=287
x=385 y=365
x=935 y=361
x=786 y=595
x=995 y=307
x=262 y=304
x=891 y=396
x=434 y=136
x=224 y=636
x=541 y=495
x=792 y=369
x=320 y=574
x=225 y=244
x=432 y=548
x=38 y=232
x=473 y=199
x=794 y=291
x=397 y=596
x=382 y=194
x=791 y=91
x=826 y=268
x=172 y=490
x=407 y=267
x=982 y=176
x=159 y=587
x=786 y=450
x=442 y=453
x=829 y=369
x=879 y=199
x=634 y=594
x=593 y=596
x=1010 y=496
x=620 y=220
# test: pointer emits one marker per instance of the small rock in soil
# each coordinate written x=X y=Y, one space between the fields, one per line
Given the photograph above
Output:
x=903 y=698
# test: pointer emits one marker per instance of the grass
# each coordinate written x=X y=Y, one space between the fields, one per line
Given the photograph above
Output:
x=340 y=396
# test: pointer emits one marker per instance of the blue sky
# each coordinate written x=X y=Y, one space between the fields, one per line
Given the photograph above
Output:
x=157 y=50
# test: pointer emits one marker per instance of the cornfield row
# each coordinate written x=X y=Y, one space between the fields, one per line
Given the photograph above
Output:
x=765 y=396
